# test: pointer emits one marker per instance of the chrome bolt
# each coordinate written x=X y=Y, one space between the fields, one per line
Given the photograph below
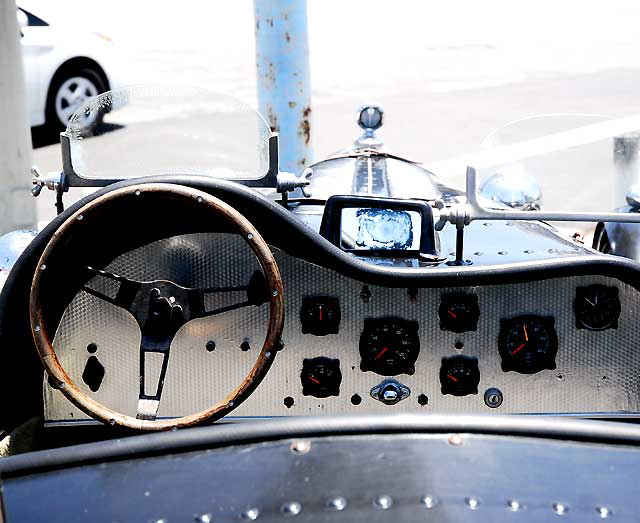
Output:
x=383 y=502
x=472 y=503
x=456 y=440
x=292 y=508
x=429 y=501
x=337 y=503
x=514 y=505
x=301 y=447
x=603 y=512
x=560 y=509
x=203 y=518
x=250 y=514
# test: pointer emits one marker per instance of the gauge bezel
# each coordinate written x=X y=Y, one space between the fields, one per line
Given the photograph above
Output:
x=320 y=390
x=470 y=300
x=456 y=390
x=548 y=362
x=407 y=367
x=614 y=293
x=317 y=327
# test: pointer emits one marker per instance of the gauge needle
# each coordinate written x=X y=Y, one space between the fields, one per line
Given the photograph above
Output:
x=517 y=349
x=316 y=381
x=590 y=302
x=320 y=311
x=526 y=336
x=451 y=314
x=452 y=378
x=385 y=349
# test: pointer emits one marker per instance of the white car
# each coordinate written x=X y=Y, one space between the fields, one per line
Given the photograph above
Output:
x=62 y=68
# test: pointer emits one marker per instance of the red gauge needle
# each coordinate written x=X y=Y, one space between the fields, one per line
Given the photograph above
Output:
x=454 y=316
x=314 y=380
x=517 y=349
x=320 y=310
x=452 y=378
x=526 y=334
x=385 y=349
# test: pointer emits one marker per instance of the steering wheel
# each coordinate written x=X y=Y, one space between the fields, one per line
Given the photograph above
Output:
x=160 y=308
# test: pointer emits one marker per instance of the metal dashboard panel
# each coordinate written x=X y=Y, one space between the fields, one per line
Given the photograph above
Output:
x=597 y=372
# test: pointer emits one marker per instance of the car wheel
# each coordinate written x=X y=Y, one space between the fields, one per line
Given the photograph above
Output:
x=67 y=92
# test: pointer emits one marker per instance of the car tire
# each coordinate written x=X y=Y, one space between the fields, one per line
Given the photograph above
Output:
x=83 y=84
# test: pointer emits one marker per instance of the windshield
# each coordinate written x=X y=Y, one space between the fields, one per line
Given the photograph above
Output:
x=151 y=130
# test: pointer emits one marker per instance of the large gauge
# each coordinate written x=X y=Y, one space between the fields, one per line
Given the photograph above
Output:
x=528 y=344
x=389 y=346
x=597 y=307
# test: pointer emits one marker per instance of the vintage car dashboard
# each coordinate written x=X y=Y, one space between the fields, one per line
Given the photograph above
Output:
x=557 y=345
x=535 y=324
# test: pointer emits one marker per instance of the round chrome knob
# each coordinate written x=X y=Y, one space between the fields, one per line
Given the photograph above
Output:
x=370 y=117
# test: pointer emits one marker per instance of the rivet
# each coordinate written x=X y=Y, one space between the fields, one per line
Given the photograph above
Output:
x=502 y=253
x=147 y=493
x=203 y=518
x=383 y=502
x=603 y=512
x=36 y=328
x=137 y=192
x=514 y=505
x=528 y=251
x=231 y=404
x=80 y=217
x=429 y=501
x=337 y=503
x=249 y=236
x=455 y=440
x=161 y=520
x=478 y=253
x=472 y=503
x=292 y=508
x=560 y=377
x=274 y=292
x=61 y=385
x=301 y=447
x=560 y=509
x=267 y=354
x=251 y=514
x=43 y=267
x=199 y=199
x=112 y=421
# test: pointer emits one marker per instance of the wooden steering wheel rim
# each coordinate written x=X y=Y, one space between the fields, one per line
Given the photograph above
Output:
x=267 y=262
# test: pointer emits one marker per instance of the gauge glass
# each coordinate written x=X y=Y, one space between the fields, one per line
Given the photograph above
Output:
x=597 y=307
x=389 y=346
x=528 y=344
x=459 y=376
x=459 y=312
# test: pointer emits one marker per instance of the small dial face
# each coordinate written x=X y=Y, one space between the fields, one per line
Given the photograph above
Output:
x=528 y=344
x=320 y=377
x=320 y=315
x=459 y=376
x=389 y=346
x=459 y=312
x=597 y=307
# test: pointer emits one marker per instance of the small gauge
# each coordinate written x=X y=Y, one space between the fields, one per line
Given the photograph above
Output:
x=320 y=377
x=320 y=315
x=459 y=376
x=459 y=312
x=528 y=344
x=597 y=307
x=389 y=346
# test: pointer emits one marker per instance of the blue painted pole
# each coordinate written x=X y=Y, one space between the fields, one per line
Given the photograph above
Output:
x=284 y=89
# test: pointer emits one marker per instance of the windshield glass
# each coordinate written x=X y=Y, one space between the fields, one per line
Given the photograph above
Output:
x=151 y=130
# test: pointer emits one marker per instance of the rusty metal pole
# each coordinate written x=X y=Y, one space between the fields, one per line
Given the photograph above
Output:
x=284 y=89
x=17 y=206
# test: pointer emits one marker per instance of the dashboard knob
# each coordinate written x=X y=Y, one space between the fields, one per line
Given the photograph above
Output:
x=390 y=392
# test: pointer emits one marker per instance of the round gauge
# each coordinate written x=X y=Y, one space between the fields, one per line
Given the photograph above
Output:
x=459 y=312
x=321 y=377
x=459 y=376
x=320 y=315
x=597 y=307
x=389 y=346
x=528 y=344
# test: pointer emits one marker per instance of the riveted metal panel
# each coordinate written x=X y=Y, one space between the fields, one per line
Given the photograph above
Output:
x=401 y=477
